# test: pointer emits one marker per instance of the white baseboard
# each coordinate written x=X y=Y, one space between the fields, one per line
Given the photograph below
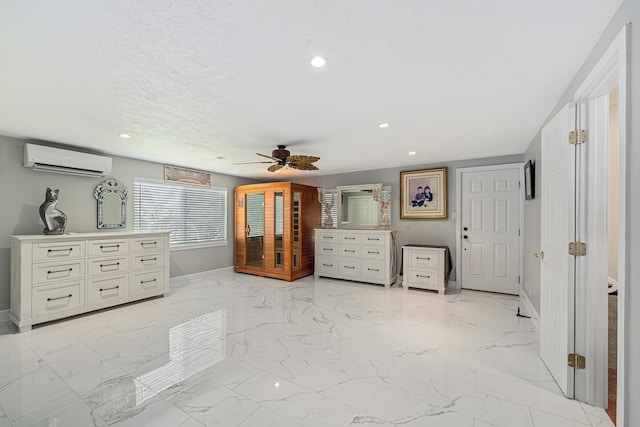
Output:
x=529 y=310
x=181 y=280
x=4 y=315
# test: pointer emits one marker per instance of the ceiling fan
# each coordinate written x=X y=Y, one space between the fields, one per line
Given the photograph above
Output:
x=282 y=157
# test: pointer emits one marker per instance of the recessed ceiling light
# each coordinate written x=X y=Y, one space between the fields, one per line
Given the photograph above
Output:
x=412 y=153
x=383 y=125
x=124 y=135
x=318 y=61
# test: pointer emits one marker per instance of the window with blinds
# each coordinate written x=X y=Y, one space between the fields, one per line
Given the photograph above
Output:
x=195 y=216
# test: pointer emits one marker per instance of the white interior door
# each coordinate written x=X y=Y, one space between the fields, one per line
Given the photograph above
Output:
x=557 y=291
x=490 y=227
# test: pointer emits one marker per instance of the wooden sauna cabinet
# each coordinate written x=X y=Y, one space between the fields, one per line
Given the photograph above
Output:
x=274 y=226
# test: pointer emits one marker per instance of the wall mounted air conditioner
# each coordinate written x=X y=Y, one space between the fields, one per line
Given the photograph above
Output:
x=49 y=159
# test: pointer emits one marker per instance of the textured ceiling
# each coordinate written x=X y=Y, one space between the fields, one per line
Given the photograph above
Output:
x=193 y=81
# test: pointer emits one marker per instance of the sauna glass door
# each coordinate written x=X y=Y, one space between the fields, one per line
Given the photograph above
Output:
x=254 y=230
x=278 y=229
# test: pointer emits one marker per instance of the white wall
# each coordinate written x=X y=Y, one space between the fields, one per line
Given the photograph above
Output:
x=22 y=191
x=418 y=231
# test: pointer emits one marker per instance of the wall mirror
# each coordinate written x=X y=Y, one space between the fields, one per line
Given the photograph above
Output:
x=112 y=204
x=357 y=207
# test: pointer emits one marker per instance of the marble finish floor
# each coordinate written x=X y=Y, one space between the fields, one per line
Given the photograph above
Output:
x=227 y=349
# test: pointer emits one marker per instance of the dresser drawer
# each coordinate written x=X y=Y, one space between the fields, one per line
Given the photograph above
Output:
x=148 y=244
x=348 y=267
x=350 y=251
x=369 y=252
x=349 y=239
x=107 y=265
x=108 y=288
x=51 y=299
x=148 y=260
x=48 y=272
x=373 y=270
x=58 y=250
x=327 y=249
x=147 y=281
x=108 y=247
x=424 y=258
x=327 y=265
x=424 y=278
x=327 y=237
x=373 y=239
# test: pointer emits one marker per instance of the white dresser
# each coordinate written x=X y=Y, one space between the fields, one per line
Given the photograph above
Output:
x=63 y=275
x=361 y=255
x=425 y=267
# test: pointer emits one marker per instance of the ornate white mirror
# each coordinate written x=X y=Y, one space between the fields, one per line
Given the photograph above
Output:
x=112 y=204
x=364 y=206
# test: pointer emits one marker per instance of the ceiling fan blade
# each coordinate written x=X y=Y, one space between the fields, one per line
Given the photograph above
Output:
x=303 y=159
x=303 y=166
x=274 y=168
x=250 y=163
x=268 y=157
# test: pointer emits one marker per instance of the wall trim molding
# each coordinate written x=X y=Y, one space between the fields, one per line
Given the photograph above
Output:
x=185 y=279
x=529 y=310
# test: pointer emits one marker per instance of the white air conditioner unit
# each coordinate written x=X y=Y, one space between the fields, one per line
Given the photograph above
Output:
x=49 y=159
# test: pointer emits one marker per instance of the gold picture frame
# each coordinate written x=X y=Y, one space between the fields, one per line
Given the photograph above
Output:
x=187 y=176
x=423 y=194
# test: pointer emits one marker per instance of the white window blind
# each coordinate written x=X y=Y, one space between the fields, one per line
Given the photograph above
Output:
x=195 y=216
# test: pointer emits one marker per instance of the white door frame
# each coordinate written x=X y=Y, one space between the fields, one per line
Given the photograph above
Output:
x=459 y=172
x=611 y=71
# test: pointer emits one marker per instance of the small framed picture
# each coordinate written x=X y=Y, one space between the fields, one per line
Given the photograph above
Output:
x=187 y=176
x=423 y=194
x=529 y=180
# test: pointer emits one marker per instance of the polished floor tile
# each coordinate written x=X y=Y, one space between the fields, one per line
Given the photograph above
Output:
x=226 y=349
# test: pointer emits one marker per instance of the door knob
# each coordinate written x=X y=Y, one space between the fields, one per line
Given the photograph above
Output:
x=465 y=228
x=465 y=237
x=539 y=254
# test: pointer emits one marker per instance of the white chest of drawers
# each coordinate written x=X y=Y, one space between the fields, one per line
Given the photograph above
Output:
x=59 y=276
x=425 y=267
x=361 y=255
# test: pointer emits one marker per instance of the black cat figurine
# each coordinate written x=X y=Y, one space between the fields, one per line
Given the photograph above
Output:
x=54 y=219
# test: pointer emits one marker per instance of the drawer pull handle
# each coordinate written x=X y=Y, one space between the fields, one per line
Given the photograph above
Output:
x=109 y=265
x=69 y=270
x=109 y=247
x=109 y=289
x=53 y=299
x=349 y=250
x=373 y=252
x=348 y=266
x=327 y=237
x=349 y=238
x=148 y=259
x=428 y=277
x=419 y=257
x=144 y=244
x=376 y=239
x=327 y=249
x=147 y=281
x=60 y=250
x=373 y=269
x=327 y=265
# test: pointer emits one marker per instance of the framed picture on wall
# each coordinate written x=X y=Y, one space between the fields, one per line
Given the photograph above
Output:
x=423 y=194
x=187 y=176
x=529 y=180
